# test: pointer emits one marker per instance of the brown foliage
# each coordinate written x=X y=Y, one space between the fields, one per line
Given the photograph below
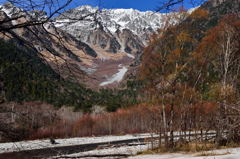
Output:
x=137 y=119
x=199 y=14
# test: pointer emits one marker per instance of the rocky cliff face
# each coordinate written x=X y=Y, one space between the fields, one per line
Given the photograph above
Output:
x=117 y=35
x=219 y=7
x=98 y=44
x=124 y=30
x=58 y=48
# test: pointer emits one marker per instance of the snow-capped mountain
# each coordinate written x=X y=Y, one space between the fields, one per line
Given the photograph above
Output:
x=12 y=11
x=105 y=44
x=58 y=49
x=115 y=30
x=114 y=19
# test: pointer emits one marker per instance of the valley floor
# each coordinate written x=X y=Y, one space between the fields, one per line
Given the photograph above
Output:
x=114 y=150
x=109 y=152
x=231 y=153
x=42 y=144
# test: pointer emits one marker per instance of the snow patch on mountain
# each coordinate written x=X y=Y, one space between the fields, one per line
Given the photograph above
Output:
x=131 y=56
x=114 y=19
x=88 y=70
x=125 y=30
x=116 y=77
x=13 y=11
x=7 y=11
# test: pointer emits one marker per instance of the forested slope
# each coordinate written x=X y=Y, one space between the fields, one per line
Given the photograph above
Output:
x=27 y=77
x=192 y=68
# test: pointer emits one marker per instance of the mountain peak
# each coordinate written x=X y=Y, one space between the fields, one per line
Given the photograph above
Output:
x=8 y=5
x=113 y=19
x=86 y=7
x=10 y=9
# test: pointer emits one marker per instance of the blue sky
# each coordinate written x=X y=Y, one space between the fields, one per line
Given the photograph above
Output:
x=141 y=5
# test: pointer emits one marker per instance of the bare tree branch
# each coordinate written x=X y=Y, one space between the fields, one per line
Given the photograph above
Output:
x=171 y=5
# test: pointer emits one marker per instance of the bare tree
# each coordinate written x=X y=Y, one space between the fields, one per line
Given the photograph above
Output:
x=34 y=9
x=228 y=43
x=170 y=5
x=35 y=18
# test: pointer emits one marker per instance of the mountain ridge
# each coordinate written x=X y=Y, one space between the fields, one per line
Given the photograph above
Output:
x=118 y=35
x=116 y=27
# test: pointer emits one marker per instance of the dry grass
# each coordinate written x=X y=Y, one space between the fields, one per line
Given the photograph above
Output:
x=212 y=154
x=198 y=148
x=195 y=147
x=147 y=152
x=192 y=147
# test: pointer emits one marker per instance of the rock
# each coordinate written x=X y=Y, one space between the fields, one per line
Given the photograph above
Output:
x=53 y=141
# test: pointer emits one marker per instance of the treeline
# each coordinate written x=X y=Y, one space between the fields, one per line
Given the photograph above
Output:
x=140 y=118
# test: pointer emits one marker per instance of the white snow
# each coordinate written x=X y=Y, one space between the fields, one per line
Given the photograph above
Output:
x=122 y=23
x=193 y=9
x=103 y=57
x=40 y=144
x=112 y=29
x=231 y=153
x=7 y=11
x=131 y=19
x=88 y=7
x=10 y=11
x=63 y=21
x=60 y=23
x=131 y=56
x=88 y=70
x=116 y=77
x=114 y=19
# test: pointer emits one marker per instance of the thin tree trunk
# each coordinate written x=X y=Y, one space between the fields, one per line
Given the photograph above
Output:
x=165 y=126
x=171 y=128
